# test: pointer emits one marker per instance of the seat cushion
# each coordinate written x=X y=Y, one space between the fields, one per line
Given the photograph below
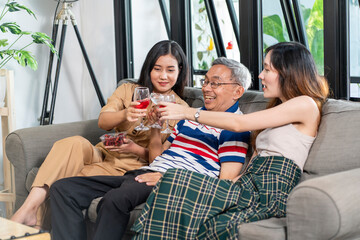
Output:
x=273 y=228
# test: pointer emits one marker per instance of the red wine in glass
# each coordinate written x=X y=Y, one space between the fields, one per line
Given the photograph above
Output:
x=143 y=104
x=142 y=95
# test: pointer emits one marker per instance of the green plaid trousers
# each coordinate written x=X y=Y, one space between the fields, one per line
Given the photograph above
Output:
x=188 y=205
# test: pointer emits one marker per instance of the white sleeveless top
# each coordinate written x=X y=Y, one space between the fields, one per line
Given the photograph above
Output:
x=285 y=141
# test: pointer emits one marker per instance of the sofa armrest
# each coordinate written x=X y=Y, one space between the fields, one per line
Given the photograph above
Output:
x=27 y=148
x=326 y=207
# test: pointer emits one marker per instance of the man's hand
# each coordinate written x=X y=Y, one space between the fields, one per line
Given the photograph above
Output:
x=149 y=178
x=153 y=116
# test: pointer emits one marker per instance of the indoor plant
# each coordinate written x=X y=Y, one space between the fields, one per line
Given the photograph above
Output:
x=13 y=49
x=10 y=51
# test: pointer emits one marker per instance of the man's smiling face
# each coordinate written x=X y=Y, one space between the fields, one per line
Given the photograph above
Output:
x=224 y=96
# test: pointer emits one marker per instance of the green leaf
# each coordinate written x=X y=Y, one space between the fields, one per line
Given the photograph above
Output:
x=199 y=38
x=197 y=27
x=14 y=7
x=305 y=12
x=317 y=50
x=42 y=38
x=200 y=55
x=3 y=42
x=12 y=27
x=204 y=66
x=25 y=58
x=272 y=26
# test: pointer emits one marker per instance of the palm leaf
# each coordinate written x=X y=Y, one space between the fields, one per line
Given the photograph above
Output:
x=14 y=7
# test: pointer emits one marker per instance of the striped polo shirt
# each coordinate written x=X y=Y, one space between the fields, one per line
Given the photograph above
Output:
x=201 y=148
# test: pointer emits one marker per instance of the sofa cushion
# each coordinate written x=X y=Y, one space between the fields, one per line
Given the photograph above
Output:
x=252 y=101
x=336 y=147
x=273 y=228
x=326 y=207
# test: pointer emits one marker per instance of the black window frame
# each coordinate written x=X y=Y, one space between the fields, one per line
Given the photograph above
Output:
x=249 y=37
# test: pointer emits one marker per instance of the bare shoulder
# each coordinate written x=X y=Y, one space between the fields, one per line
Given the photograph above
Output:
x=304 y=102
x=306 y=123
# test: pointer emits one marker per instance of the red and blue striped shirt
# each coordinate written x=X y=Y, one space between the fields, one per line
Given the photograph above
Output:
x=201 y=148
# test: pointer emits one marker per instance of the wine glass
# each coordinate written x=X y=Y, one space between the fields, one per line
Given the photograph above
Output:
x=142 y=95
x=168 y=98
x=156 y=98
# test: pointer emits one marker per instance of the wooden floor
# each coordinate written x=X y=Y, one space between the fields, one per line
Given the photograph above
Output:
x=22 y=232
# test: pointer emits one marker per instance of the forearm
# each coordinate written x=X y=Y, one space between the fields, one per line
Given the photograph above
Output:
x=222 y=120
x=142 y=152
x=109 y=120
x=155 y=145
x=230 y=170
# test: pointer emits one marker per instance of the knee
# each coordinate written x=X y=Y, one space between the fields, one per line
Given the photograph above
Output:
x=59 y=187
x=71 y=141
x=113 y=201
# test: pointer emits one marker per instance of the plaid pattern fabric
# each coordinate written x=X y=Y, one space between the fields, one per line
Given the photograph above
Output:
x=188 y=205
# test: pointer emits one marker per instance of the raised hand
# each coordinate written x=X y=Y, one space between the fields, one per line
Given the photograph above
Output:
x=173 y=111
x=133 y=114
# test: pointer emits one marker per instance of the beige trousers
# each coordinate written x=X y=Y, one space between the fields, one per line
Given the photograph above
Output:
x=73 y=156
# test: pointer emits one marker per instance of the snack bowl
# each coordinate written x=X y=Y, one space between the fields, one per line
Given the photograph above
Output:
x=113 y=139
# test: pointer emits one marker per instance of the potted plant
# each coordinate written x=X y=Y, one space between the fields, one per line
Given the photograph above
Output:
x=12 y=50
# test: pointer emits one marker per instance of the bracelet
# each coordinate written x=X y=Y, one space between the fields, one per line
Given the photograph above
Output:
x=197 y=115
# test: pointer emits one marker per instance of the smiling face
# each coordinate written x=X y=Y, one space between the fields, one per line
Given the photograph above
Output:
x=224 y=96
x=164 y=74
x=270 y=80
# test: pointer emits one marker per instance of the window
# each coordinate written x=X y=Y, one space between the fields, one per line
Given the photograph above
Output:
x=146 y=31
x=354 y=35
x=276 y=26
x=203 y=45
x=313 y=17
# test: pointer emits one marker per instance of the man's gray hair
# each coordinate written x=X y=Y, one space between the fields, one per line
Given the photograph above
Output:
x=238 y=71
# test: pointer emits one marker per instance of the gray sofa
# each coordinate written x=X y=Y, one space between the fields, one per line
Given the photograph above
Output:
x=324 y=205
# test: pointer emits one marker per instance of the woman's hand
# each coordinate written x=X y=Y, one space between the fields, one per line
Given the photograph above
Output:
x=174 y=111
x=128 y=146
x=133 y=114
x=154 y=115
x=149 y=178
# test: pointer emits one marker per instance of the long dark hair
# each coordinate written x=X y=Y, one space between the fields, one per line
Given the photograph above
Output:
x=163 y=48
x=297 y=74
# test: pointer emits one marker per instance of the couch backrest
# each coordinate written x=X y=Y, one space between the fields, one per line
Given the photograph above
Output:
x=337 y=146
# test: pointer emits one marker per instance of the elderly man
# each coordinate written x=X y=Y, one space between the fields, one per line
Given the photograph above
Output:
x=192 y=146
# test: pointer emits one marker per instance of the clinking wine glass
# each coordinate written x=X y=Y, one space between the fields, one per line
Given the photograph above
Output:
x=156 y=98
x=142 y=95
x=168 y=98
